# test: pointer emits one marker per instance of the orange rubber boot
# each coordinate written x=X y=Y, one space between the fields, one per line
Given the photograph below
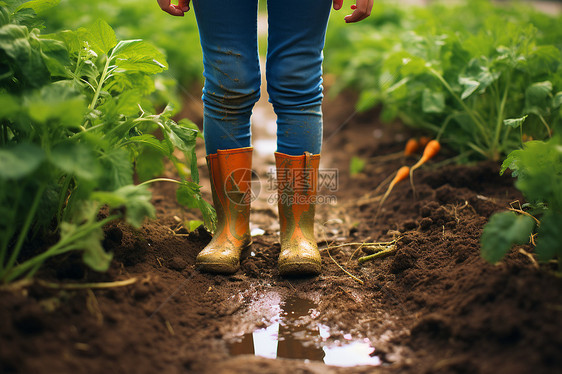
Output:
x=230 y=172
x=297 y=178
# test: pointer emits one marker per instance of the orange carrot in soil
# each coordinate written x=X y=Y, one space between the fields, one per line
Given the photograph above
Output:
x=431 y=149
x=412 y=146
x=400 y=176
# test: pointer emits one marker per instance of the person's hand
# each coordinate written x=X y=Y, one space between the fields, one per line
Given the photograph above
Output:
x=361 y=10
x=174 y=10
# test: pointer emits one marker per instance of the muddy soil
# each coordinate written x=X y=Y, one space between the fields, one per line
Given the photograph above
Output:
x=433 y=306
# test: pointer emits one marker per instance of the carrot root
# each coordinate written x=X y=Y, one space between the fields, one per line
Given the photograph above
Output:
x=431 y=149
x=401 y=174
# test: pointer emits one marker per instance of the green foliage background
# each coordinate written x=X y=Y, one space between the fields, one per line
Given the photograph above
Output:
x=177 y=37
x=463 y=71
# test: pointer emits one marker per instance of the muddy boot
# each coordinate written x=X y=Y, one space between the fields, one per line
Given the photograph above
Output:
x=297 y=178
x=230 y=174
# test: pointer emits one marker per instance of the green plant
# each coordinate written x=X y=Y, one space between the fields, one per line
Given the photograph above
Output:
x=76 y=125
x=176 y=36
x=464 y=72
x=356 y=165
x=538 y=169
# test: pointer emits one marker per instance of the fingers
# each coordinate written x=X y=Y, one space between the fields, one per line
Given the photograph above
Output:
x=183 y=5
x=169 y=8
x=361 y=10
x=338 y=4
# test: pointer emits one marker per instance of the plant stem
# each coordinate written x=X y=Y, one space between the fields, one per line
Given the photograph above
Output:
x=384 y=253
x=63 y=246
x=468 y=111
x=499 y=122
x=478 y=149
x=62 y=198
x=4 y=133
x=159 y=180
x=546 y=125
x=100 y=83
x=444 y=126
x=80 y=286
x=345 y=271
x=25 y=228
x=9 y=229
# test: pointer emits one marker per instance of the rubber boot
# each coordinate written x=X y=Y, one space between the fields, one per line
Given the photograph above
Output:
x=230 y=174
x=297 y=178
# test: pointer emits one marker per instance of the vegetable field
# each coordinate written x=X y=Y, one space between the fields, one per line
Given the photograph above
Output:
x=440 y=227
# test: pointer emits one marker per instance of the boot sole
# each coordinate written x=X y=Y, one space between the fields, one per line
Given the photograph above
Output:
x=221 y=267
x=300 y=268
x=218 y=268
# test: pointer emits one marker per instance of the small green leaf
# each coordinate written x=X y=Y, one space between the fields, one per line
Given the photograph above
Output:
x=138 y=55
x=515 y=122
x=135 y=200
x=433 y=102
x=75 y=159
x=149 y=163
x=71 y=39
x=557 y=101
x=188 y=194
x=182 y=137
x=190 y=125
x=537 y=97
x=102 y=36
x=367 y=100
x=538 y=168
x=80 y=235
x=118 y=169
x=503 y=231
x=470 y=86
x=413 y=65
x=8 y=105
x=23 y=58
x=549 y=237
x=93 y=253
x=55 y=56
x=356 y=165
x=38 y=6
x=193 y=224
x=20 y=160
x=58 y=102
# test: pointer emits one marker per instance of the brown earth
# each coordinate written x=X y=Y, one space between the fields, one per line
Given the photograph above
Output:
x=434 y=306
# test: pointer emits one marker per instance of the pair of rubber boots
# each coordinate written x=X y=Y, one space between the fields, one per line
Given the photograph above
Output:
x=297 y=179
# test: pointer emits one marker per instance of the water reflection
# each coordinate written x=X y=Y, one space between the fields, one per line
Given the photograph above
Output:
x=290 y=336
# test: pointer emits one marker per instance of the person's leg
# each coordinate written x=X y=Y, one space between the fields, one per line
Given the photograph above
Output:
x=228 y=32
x=294 y=83
x=297 y=31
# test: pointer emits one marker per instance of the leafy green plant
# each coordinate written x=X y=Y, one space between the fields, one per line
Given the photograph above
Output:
x=178 y=37
x=467 y=73
x=76 y=126
x=538 y=169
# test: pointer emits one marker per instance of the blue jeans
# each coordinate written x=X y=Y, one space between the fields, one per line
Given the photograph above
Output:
x=228 y=31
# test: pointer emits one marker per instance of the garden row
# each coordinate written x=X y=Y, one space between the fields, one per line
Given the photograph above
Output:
x=481 y=78
x=77 y=125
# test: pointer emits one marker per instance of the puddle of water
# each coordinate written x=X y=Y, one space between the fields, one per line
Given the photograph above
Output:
x=293 y=334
